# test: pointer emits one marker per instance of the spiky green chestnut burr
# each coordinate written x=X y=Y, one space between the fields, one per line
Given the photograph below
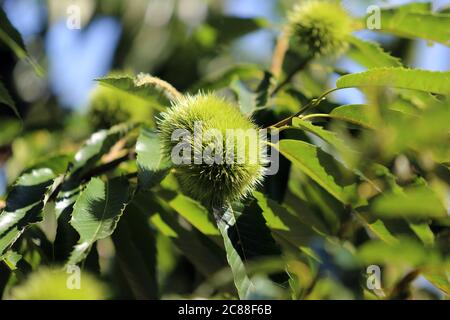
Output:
x=223 y=150
x=321 y=27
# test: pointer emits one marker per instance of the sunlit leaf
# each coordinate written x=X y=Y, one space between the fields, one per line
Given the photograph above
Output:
x=320 y=167
x=422 y=80
x=195 y=213
x=371 y=55
x=286 y=225
x=328 y=136
x=11 y=128
x=354 y=113
x=226 y=220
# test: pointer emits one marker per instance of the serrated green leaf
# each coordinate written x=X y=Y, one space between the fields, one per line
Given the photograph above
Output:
x=320 y=167
x=377 y=228
x=354 y=113
x=195 y=213
x=226 y=220
x=422 y=80
x=152 y=165
x=371 y=55
x=326 y=135
x=416 y=22
x=97 y=212
x=159 y=93
x=84 y=160
x=6 y=99
x=247 y=238
x=24 y=205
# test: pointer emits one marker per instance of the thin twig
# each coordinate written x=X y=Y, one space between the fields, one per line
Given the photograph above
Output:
x=313 y=103
x=279 y=53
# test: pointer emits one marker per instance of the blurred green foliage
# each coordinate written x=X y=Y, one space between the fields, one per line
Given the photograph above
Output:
x=358 y=185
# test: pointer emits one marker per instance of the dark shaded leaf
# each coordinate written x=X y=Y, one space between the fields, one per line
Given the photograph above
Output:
x=24 y=205
x=97 y=212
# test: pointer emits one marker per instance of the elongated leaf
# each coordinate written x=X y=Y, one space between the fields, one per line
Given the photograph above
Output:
x=226 y=221
x=24 y=205
x=371 y=55
x=143 y=86
x=96 y=147
x=12 y=38
x=135 y=246
x=320 y=167
x=84 y=160
x=354 y=113
x=193 y=212
x=97 y=212
x=423 y=232
x=422 y=80
x=151 y=162
x=417 y=202
x=377 y=229
x=414 y=22
x=11 y=259
x=6 y=99
x=327 y=136
x=247 y=238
